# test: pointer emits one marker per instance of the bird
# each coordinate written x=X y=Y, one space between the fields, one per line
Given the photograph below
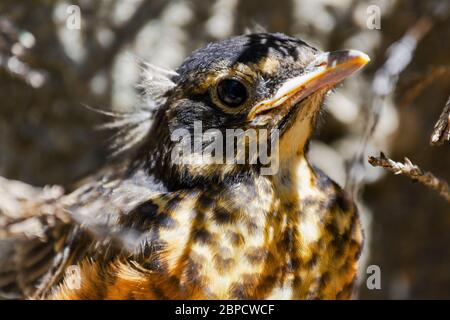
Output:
x=154 y=224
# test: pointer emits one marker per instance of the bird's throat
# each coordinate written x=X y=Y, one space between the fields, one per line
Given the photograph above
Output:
x=294 y=137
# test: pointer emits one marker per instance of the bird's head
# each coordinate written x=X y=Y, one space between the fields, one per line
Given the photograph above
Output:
x=256 y=88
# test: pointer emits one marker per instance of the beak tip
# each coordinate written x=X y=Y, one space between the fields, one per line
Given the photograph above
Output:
x=358 y=56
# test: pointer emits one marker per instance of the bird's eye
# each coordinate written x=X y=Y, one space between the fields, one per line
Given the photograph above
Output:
x=232 y=92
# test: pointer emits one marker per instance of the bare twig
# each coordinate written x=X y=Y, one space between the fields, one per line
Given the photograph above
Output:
x=441 y=132
x=414 y=90
x=414 y=172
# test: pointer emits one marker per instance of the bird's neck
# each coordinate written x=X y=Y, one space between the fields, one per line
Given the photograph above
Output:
x=294 y=180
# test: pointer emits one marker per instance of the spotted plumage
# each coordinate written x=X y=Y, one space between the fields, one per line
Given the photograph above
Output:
x=152 y=228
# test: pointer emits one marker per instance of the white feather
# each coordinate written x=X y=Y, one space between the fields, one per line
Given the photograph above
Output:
x=132 y=126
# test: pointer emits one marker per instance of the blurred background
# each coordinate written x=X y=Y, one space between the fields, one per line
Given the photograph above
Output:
x=50 y=66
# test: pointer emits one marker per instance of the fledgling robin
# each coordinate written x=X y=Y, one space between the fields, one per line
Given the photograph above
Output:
x=154 y=226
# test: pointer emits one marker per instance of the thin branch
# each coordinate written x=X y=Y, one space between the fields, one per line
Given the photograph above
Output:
x=413 y=172
x=398 y=56
x=441 y=131
x=414 y=90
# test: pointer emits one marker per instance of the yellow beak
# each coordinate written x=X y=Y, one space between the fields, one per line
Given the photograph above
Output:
x=326 y=70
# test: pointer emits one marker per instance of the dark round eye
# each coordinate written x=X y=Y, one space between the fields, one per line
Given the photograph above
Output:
x=232 y=92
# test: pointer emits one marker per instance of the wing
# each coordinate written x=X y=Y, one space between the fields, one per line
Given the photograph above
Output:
x=31 y=230
x=43 y=231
